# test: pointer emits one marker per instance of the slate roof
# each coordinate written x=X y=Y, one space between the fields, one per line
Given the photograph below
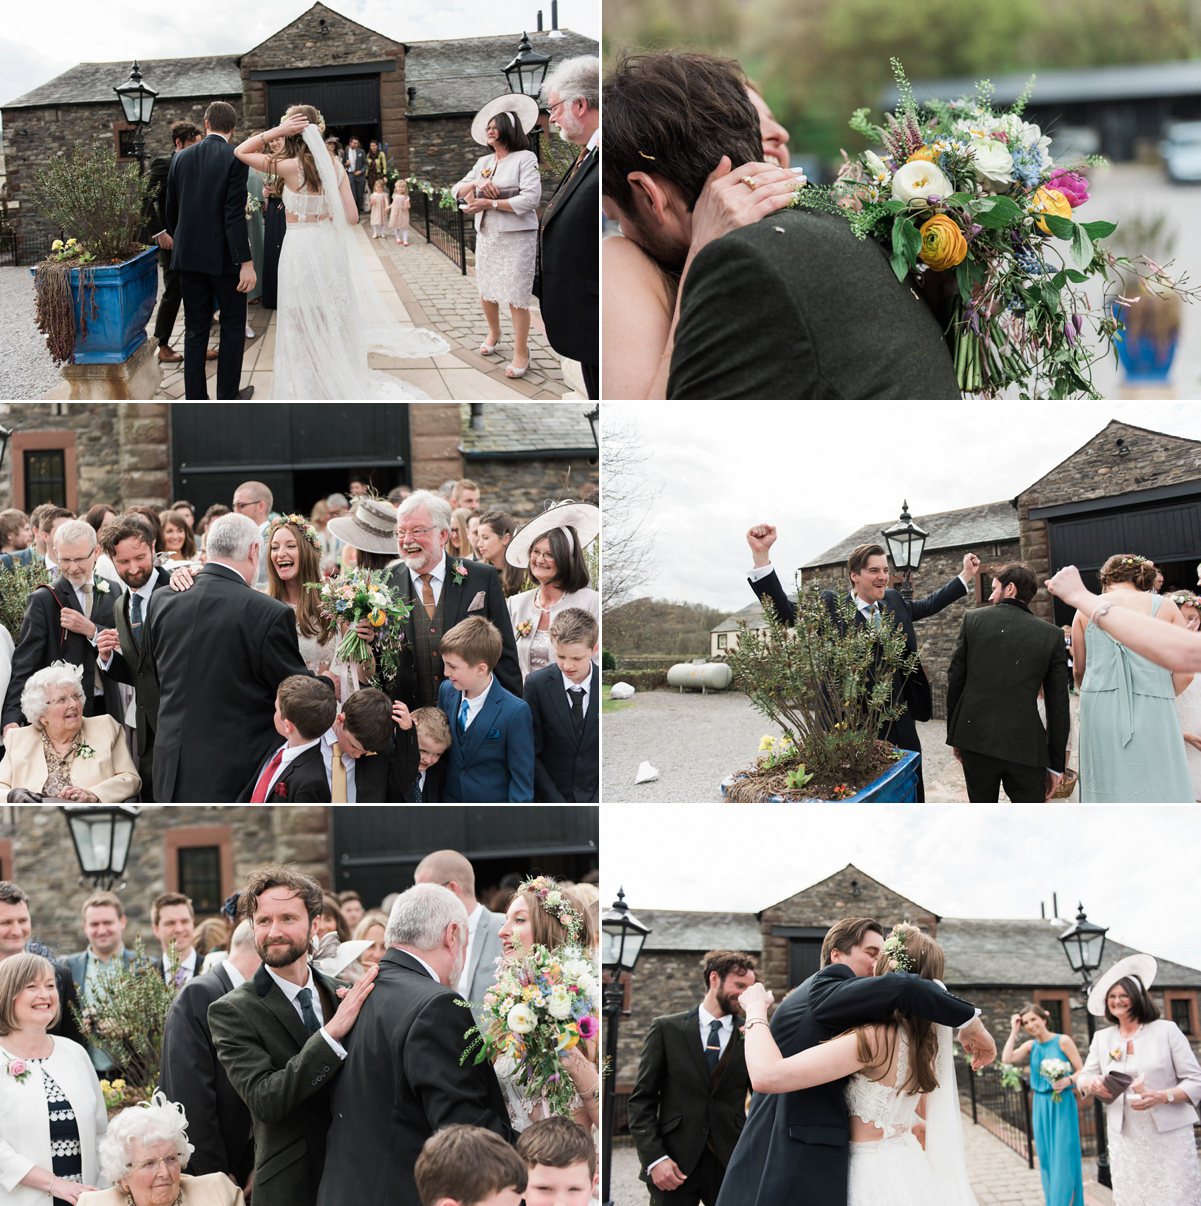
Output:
x=680 y=930
x=519 y=427
x=211 y=77
x=991 y=523
x=459 y=75
x=752 y=613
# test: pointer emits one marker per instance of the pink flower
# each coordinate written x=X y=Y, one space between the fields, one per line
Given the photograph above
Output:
x=589 y=1027
x=17 y=1067
x=1073 y=186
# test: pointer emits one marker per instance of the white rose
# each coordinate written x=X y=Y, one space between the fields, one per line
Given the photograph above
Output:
x=992 y=159
x=919 y=179
x=521 y=1019
x=559 y=1005
x=505 y=1066
x=574 y=968
x=377 y=599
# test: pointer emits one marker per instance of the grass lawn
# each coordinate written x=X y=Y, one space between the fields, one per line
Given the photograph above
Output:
x=615 y=705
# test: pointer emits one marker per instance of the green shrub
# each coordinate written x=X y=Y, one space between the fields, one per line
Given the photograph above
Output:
x=16 y=585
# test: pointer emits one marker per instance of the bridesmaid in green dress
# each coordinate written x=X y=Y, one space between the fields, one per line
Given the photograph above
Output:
x=1131 y=750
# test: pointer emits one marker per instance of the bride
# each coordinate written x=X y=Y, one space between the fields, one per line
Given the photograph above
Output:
x=901 y=1082
x=330 y=316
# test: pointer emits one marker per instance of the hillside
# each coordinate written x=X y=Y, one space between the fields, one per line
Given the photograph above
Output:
x=660 y=626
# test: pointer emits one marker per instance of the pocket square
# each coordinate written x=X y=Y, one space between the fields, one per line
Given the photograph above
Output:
x=477 y=604
x=492 y=734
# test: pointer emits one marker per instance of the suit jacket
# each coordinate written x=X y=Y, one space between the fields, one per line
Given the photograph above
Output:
x=219 y=652
x=460 y=593
x=155 y=209
x=810 y=313
x=77 y=965
x=354 y=161
x=434 y=791
x=404 y=1079
x=493 y=762
x=793 y=1151
x=567 y=283
x=213 y=1189
x=190 y=1073
x=283 y=1074
x=678 y=1107
x=387 y=775
x=1004 y=654
x=131 y=663
x=566 y=764
x=66 y=1026
x=481 y=965
x=111 y=774
x=24 y=557
x=206 y=208
x=303 y=781
x=43 y=640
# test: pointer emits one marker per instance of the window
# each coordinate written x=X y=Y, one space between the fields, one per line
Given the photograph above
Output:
x=125 y=139
x=200 y=863
x=722 y=638
x=43 y=466
x=200 y=877
x=45 y=478
x=1181 y=1006
x=1056 y=1003
x=1056 y=1022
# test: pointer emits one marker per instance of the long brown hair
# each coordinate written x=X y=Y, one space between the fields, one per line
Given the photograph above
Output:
x=512 y=577
x=309 y=621
x=295 y=148
x=546 y=929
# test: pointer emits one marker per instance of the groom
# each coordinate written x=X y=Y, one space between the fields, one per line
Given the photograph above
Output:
x=206 y=219
x=793 y=1150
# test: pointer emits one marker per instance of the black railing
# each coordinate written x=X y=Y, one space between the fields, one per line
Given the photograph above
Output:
x=17 y=249
x=450 y=230
x=1002 y=1111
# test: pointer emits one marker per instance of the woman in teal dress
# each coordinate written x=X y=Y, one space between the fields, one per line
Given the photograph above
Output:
x=254 y=229
x=1056 y=1124
x=1130 y=745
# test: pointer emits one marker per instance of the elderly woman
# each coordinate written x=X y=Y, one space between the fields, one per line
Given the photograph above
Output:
x=62 y=754
x=145 y=1152
x=50 y=1100
x=551 y=547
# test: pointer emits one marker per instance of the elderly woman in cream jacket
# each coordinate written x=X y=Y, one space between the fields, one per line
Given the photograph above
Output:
x=502 y=191
x=63 y=754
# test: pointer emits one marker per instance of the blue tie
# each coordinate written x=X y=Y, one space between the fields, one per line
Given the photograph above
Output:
x=463 y=715
x=135 y=624
x=311 y=1022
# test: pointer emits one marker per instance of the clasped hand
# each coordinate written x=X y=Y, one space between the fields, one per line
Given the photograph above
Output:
x=76 y=621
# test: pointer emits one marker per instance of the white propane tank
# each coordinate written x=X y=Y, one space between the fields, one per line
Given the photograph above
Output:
x=705 y=677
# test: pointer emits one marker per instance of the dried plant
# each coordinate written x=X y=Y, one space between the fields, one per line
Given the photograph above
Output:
x=16 y=585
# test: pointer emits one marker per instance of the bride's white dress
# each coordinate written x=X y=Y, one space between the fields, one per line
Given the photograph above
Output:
x=330 y=316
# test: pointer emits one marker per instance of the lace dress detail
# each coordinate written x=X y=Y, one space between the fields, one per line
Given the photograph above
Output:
x=524 y=1110
x=884 y=1105
x=66 y=1154
x=504 y=263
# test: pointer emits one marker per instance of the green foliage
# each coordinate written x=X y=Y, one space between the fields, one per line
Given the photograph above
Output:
x=827 y=681
x=796 y=779
x=16 y=585
x=660 y=626
x=608 y=661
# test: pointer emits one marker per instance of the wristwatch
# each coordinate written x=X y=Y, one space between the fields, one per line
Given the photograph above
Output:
x=495 y=203
x=1171 y=1095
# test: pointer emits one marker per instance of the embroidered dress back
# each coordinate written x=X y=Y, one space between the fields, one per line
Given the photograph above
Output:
x=884 y=1106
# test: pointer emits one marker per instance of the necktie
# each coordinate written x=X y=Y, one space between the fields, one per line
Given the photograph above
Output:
x=260 y=788
x=577 y=706
x=873 y=615
x=305 y=997
x=427 y=595
x=463 y=715
x=338 y=784
x=135 y=620
x=575 y=167
x=417 y=789
x=713 y=1046
x=87 y=599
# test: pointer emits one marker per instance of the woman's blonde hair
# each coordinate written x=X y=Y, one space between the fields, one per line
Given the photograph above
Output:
x=458 y=524
x=370 y=918
x=545 y=928
x=309 y=621
x=17 y=972
x=295 y=148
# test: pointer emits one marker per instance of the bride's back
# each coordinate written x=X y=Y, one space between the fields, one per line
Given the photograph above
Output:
x=882 y=1099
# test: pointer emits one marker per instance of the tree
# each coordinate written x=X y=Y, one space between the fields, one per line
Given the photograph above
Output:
x=627 y=535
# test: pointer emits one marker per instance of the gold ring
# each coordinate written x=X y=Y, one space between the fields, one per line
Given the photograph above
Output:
x=750 y=182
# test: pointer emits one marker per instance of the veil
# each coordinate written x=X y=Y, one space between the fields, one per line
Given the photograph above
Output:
x=944 y=1129
x=368 y=313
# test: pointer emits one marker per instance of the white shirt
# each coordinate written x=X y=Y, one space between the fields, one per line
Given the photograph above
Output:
x=585 y=686
x=706 y=1020
x=473 y=705
x=437 y=575
x=473 y=924
x=433 y=974
x=292 y=991
x=188 y=967
x=327 y=754
x=291 y=753
x=232 y=972
x=594 y=141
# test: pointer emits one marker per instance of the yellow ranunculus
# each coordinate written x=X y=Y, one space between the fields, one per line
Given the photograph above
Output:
x=943 y=244
x=926 y=153
x=1050 y=201
x=377 y=618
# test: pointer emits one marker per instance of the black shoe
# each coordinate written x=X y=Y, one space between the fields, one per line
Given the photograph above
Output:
x=243 y=394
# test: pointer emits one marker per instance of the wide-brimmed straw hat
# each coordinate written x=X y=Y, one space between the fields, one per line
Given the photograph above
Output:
x=371 y=526
x=524 y=110
x=585 y=519
x=1137 y=967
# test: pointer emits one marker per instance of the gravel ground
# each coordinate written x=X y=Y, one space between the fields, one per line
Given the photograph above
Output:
x=26 y=371
x=695 y=741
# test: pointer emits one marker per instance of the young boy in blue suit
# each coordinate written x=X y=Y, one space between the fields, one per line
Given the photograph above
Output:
x=491 y=758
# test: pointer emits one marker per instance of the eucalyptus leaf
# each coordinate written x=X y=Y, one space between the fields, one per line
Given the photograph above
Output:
x=1061 y=228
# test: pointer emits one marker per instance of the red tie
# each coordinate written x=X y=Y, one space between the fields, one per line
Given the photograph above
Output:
x=260 y=789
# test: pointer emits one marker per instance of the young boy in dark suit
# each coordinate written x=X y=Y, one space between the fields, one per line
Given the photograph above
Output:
x=433 y=740
x=565 y=702
x=304 y=708
x=492 y=733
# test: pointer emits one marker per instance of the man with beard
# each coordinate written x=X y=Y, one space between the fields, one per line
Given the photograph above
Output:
x=443 y=591
x=279 y=1036
x=689 y=1101
x=123 y=655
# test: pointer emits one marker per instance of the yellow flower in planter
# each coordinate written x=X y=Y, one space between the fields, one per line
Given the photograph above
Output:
x=57 y=245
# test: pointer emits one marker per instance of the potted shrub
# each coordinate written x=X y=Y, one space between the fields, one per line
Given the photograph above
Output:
x=827 y=684
x=96 y=290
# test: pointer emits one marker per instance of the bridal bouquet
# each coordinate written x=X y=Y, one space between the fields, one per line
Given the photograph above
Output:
x=962 y=189
x=542 y=1005
x=361 y=595
x=1053 y=1070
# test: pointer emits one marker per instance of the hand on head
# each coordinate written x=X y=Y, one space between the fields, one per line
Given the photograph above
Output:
x=739 y=197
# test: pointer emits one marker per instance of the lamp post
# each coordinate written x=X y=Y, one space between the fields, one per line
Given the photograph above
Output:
x=137 y=99
x=525 y=75
x=622 y=939
x=102 y=834
x=1084 y=946
x=906 y=542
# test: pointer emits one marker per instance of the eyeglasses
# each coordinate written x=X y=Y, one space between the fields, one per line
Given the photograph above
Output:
x=74 y=560
x=168 y=1162
x=243 y=505
x=555 y=106
x=63 y=699
x=412 y=533
x=542 y=558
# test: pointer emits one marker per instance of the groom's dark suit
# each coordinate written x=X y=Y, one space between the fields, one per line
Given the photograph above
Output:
x=797 y=307
x=206 y=217
x=1003 y=656
x=793 y=1150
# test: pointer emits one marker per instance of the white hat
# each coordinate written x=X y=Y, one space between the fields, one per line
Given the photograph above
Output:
x=343 y=956
x=370 y=527
x=524 y=109
x=581 y=516
x=1138 y=967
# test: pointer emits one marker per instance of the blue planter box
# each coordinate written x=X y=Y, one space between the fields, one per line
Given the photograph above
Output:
x=125 y=295
x=898 y=785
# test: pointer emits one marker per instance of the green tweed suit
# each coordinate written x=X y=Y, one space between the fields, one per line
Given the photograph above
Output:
x=797 y=307
x=284 y=1075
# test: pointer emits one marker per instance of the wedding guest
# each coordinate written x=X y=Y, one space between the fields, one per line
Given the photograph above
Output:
x=1188 y=702
x=468 y=1166
x=377 y=168
x=274 y=228
x=319 y=517
x=473 y=533
x=371 y=929
x=1152 y=1155
x=560 y=1159
x=351 y=904
x=378 y=205
x=331 y=920
x=551 y=549
x=502 y=192
x=61 y=753
x=211 y=936
x=16 y=532
x=1056 y=1123
x=338 y=505
x=304 y=708
x=185 y=509
x=459 y=544
x=369 y=532
x=368 y=758
x=254 y=500
x=493 y=533
x=433 y=740
x=465 y=494
x=256 y=229
x=1130 y=739
x=178 y=542
x=355 y=163
x=97 y=517
x=398 y=214
x=172 y=920
x=214 y=512
x=50 y=1100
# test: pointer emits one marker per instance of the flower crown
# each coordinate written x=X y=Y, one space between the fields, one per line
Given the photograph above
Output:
x=896 y=949
x=1134 y=559
x=555 y=901
x=1183 y=599
x=296 y=521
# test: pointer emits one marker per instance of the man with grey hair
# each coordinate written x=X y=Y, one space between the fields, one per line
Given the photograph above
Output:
x=567 y=283
x=443 y=591
x=61 y=622
x=255 y=500
x=404 y=1077
x=220 y=651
